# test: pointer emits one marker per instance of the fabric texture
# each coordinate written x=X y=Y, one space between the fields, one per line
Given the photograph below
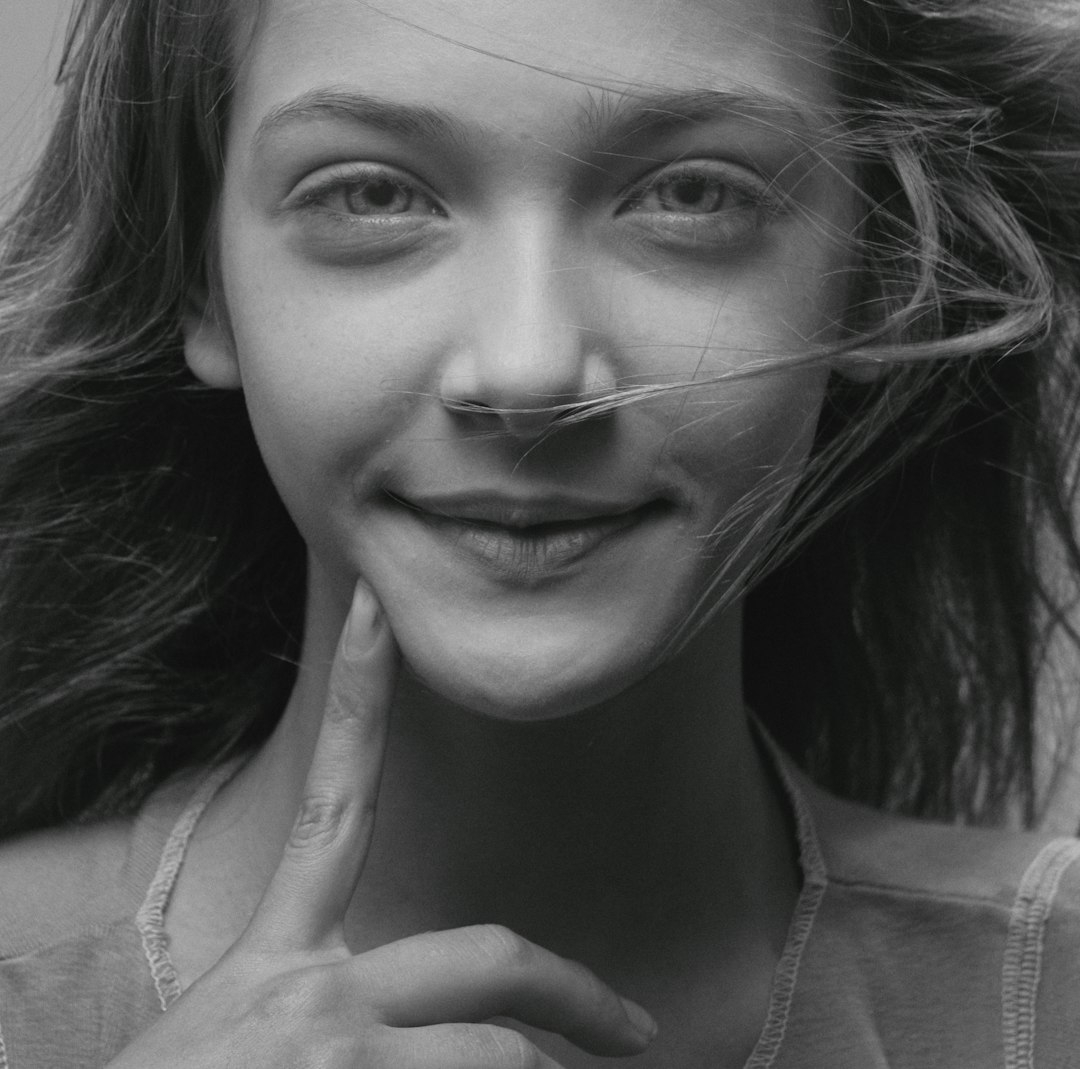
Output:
x=913 y=945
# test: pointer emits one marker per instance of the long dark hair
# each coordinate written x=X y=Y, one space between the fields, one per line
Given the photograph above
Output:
x=914 y=625
x=151 y=584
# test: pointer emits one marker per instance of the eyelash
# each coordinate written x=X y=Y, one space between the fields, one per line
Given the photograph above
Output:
x=752 y=192
x=314 y=195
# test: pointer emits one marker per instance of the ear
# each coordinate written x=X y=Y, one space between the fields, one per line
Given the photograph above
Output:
x=209 y=348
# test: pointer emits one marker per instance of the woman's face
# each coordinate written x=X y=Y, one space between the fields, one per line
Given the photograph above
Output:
x=438 y=216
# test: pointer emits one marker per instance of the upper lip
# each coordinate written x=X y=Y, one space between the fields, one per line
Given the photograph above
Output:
x=509 y=510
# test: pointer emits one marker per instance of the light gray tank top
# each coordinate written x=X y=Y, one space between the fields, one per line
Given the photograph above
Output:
x=913 y=945
x=85 y=967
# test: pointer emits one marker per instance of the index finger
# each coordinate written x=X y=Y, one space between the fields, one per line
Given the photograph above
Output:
x=305 y=902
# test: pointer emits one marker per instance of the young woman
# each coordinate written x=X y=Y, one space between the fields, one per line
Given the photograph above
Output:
x=478 y=409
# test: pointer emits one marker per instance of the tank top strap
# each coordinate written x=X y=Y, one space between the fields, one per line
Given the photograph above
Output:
x=150 y=918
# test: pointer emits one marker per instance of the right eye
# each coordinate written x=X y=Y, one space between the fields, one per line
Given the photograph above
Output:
x=368 y=191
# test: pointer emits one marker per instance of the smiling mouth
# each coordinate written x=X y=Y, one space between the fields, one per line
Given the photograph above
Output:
x=527 y=543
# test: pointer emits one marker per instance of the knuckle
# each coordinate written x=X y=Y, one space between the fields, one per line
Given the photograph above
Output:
x=593 y=990
x=319 y=821
x=503 y=946
x=341 y=708
x=294 y=998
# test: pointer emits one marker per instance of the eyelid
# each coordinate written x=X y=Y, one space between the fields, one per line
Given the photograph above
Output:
x=744 y=179
x=328 y=179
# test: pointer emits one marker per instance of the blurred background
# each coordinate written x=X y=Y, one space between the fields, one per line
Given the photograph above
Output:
x=31 y=38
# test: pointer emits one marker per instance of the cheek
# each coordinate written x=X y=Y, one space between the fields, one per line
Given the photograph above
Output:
x=747 y=447
x=761 y=423
x=326 y=374
x=753 y=410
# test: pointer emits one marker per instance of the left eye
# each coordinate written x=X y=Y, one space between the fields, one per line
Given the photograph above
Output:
x=696 y=189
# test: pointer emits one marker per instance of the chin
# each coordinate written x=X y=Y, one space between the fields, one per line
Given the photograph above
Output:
x=522 y=687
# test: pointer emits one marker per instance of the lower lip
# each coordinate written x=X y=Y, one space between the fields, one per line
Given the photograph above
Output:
x=529 y=555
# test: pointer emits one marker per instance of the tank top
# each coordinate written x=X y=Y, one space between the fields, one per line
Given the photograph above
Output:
x=913 y=945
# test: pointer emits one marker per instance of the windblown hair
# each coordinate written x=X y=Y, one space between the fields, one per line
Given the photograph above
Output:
x=914 y=624
x=151 y=584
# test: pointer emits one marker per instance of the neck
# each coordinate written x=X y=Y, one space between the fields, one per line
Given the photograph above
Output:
x=651 y=813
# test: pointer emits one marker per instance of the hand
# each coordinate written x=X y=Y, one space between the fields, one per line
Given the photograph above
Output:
x=290 y=995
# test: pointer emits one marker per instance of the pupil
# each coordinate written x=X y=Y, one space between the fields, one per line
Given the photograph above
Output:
x=381 y=194
x=690 y=190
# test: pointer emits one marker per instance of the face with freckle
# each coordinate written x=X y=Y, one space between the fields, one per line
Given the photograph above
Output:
x=445 y=224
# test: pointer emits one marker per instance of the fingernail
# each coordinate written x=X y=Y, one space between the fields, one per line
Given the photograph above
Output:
x=641 y=1019
x=361 y=625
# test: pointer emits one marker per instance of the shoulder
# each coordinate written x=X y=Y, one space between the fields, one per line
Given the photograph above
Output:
x=938 y=944
x=972 y=900
x=60 y=881
x=934 y=903
x=68 y=881
x=74 y=981
x=864 y=848
x=83 y=959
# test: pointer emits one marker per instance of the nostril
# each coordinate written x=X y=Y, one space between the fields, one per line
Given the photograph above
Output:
x=601 y=408
x=527 y=423
x=521 y=422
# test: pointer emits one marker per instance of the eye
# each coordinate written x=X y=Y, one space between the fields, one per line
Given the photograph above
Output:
x=701 y=201
x=694 y=194
x=367 y=191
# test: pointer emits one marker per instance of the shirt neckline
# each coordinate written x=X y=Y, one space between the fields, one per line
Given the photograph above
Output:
x=814 y=882
x=150 y=918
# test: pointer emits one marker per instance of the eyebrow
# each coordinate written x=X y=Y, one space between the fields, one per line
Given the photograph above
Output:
x=612 y=120
x=604 y=119
x=333 y=102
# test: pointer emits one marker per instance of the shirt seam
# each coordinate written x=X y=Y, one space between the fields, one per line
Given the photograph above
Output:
x=150 y=918
x=1024 y=944
x=920 y=893
x=815 y=882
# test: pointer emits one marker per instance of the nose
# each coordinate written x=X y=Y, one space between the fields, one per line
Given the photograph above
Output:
x=530 y=344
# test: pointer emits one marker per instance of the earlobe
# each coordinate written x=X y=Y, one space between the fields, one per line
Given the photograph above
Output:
x=208 y=347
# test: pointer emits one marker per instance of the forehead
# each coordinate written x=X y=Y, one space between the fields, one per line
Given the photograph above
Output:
x=519 y=65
